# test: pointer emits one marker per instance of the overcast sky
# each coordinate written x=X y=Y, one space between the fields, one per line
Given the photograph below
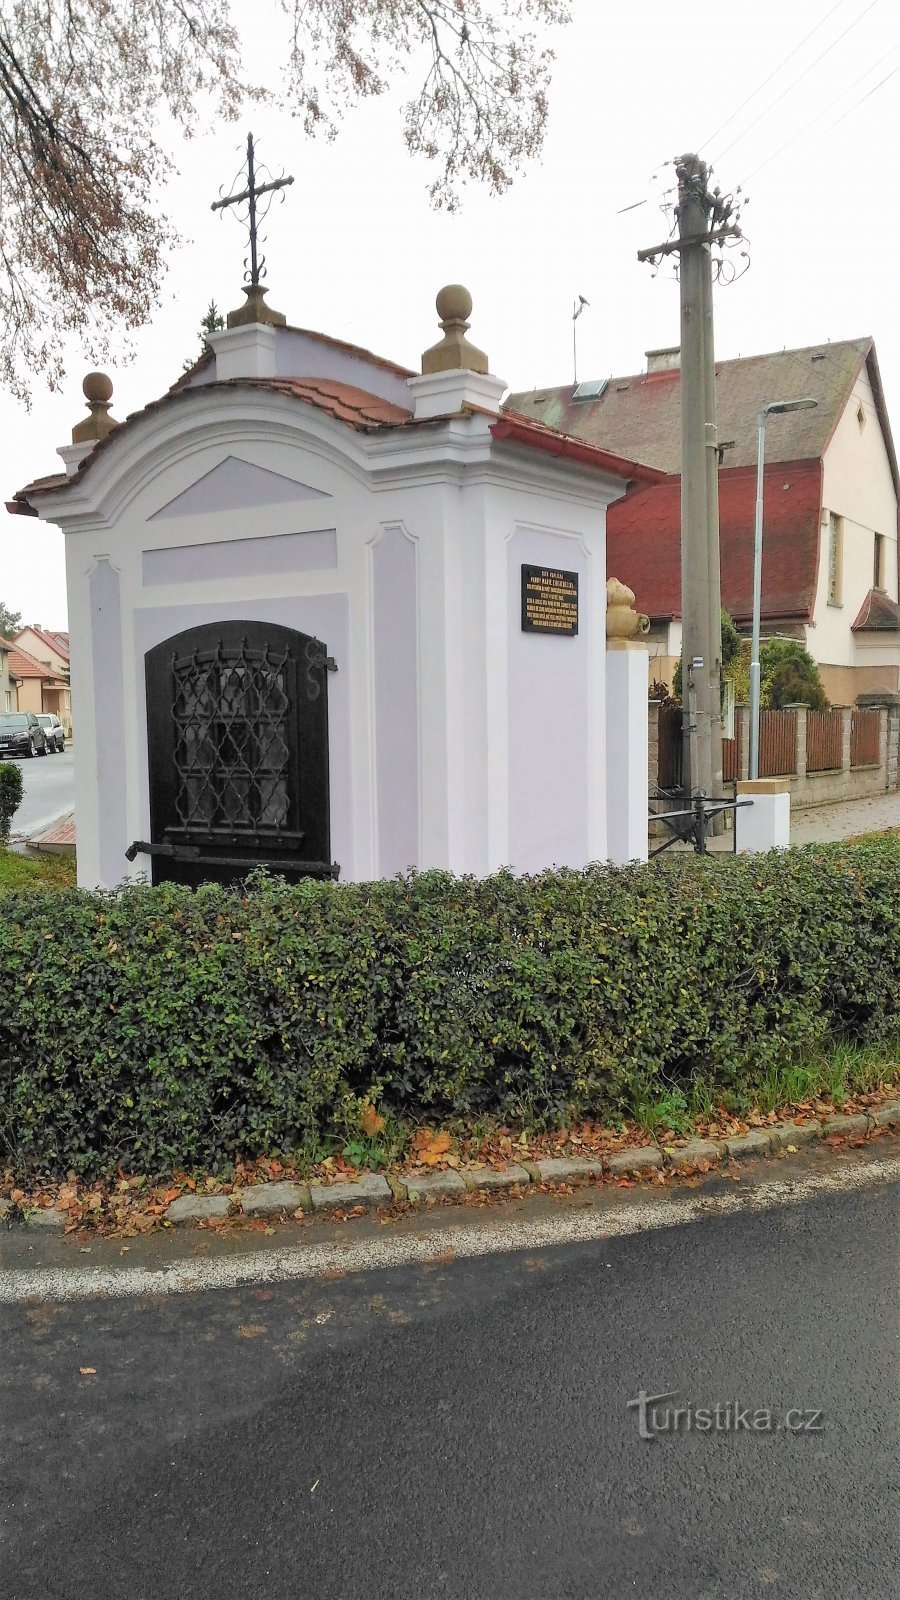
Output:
x=356 y=252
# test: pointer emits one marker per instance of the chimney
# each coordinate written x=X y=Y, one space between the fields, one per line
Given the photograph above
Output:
x=455 y=373
x=667 y=360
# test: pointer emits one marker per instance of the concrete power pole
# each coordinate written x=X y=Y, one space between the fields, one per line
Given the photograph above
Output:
x=703 y=220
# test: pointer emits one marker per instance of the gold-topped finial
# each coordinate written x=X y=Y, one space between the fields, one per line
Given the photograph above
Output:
x=454 y=352
x=97 y=389
x=622 y=621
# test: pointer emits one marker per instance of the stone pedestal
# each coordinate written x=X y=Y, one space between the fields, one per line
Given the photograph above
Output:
x=766 y=825
x=627 y=776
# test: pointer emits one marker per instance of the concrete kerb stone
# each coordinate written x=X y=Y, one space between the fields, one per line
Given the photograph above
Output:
x=434 y=1185
x=796 y=1133
x=758 y=1142
x=495 y=1177
x=888 y=1116
x=371 y=1190
x=199 y=1207
x=271 y=1199
x=45 y=1217
x=639 y=1159
x=568 y=1169
x=695 y=1150
x=844 y=1124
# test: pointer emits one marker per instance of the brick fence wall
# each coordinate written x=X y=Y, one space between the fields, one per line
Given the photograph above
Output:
x=796 y=743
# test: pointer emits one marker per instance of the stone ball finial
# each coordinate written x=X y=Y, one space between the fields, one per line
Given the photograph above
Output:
x=97 y=389
x=454 y=304
x=454 y=353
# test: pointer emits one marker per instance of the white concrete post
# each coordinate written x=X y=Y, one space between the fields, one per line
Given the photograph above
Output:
x=627 y=766
x=766 y=824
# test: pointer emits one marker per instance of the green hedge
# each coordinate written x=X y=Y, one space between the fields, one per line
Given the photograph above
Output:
x=165 y=1027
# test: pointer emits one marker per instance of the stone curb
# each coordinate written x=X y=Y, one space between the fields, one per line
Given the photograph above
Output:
x=374 y=1189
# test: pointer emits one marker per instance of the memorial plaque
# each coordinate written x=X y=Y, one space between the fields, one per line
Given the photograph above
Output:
x=549 y=600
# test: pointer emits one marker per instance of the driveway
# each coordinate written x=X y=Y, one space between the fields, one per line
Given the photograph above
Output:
x=465 y=1429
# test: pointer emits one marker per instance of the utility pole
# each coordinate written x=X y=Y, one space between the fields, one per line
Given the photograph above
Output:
x=703 y=218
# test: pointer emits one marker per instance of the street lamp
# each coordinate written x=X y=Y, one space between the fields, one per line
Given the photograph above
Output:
x=773 y=408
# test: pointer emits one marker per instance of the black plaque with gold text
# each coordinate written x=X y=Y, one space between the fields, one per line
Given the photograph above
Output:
x=549 y=600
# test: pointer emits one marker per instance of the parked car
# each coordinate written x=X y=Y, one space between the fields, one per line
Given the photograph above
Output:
x=21 y=734
x=53 y=730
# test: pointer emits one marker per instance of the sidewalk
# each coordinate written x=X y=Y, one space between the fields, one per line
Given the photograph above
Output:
x=818 y=824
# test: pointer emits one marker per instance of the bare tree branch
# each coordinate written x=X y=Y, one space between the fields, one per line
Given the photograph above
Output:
x=83 y=84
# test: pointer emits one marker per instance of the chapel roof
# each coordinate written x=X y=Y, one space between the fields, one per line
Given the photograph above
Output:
x=358 y=409
x=358 y=350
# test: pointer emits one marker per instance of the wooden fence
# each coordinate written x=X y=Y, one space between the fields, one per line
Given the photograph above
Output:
x=824 y=741
x=778 y=743
x=865 y=739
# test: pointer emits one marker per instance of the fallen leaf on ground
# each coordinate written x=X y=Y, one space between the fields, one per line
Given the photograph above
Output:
x=88 y=1372
x=372 y=1121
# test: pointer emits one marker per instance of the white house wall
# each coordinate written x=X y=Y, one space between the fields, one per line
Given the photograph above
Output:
x=857 y=485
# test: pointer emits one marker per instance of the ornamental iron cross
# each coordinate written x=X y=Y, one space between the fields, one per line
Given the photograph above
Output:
x=254 y=269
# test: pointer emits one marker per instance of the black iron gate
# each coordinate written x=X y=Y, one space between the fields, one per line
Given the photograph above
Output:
x=237 y=729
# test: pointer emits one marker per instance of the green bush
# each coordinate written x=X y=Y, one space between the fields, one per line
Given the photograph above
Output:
x=163 y=1028
x=10 y=796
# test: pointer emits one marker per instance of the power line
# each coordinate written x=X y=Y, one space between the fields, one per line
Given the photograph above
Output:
x=844 y=114
x=774 y=73
x=819 y=115
x=799 y=79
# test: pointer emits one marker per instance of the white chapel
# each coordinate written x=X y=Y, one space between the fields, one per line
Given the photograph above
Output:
x=339 y=618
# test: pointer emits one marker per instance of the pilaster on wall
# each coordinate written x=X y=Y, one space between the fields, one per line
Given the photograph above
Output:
x=742 y=715
x=653 y=744
x=846 y=726
x=800 y=757
x=893 y=746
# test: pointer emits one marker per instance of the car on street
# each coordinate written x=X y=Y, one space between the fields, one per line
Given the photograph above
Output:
x=21 y=735
x=53 y=730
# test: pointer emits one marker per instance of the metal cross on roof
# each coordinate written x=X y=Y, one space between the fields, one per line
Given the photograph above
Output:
x=251 y=193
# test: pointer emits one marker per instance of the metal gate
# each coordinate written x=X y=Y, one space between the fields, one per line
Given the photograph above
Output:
x=237 y=730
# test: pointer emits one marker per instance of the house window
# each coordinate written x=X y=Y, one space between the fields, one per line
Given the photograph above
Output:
x=880 y=571
x=9 y=700
x=835 y=558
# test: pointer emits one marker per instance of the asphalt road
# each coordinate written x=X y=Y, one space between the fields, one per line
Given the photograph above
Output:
x=463 y=1430
x=49 y=784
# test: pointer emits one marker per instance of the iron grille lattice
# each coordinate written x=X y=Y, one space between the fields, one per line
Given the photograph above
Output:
x=231 y=751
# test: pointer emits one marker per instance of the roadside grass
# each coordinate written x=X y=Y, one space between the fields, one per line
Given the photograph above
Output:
x=18 y=871
x=836 y=1075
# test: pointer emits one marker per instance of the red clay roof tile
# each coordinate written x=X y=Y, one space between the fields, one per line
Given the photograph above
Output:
x=643 y=542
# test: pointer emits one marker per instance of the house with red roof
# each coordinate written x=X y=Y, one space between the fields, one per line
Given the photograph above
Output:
x=333 y=615
x=51 y=651
x=830 y=566
x=27 y=684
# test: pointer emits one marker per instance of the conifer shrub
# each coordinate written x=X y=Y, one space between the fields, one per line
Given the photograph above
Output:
x=162 y=1028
